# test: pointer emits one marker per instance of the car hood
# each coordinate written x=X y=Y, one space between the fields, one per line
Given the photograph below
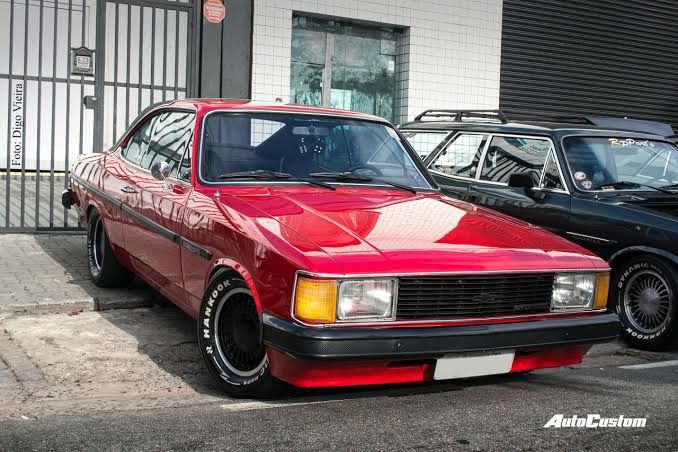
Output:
x=656 y=210
x=369 y=231
x=664 y=205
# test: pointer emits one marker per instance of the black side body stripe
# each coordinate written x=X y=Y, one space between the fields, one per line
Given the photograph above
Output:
x=145 y=221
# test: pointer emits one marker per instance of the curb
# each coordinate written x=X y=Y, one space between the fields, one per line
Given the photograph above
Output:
x=131 y=300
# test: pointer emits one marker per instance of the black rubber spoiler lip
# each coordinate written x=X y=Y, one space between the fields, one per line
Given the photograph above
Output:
x=431 y=342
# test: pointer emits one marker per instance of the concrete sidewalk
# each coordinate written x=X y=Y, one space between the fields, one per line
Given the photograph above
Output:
x=44 y=273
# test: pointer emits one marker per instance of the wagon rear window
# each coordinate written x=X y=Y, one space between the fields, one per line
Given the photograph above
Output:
x=302 y=145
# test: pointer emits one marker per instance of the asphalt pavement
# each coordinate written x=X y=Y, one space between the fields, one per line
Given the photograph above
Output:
x=501 y=413
x=133 y=380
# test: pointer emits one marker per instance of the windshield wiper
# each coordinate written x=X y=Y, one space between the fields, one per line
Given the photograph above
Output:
x=666 y=187
x=266 y=174
x=629 y=184
x=346 y=175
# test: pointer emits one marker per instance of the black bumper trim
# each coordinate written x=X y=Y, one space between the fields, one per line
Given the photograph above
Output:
x=431 y=342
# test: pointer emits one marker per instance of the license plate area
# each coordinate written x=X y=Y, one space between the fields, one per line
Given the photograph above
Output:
x=473 y=365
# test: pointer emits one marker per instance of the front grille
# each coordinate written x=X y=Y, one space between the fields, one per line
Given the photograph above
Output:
x=444 y=297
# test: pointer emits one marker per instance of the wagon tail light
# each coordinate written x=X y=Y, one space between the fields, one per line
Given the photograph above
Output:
x=580 y=291
x=323 y=301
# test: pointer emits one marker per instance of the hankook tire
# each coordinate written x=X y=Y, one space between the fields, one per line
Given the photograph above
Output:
x=104 y=268
x=230 y=338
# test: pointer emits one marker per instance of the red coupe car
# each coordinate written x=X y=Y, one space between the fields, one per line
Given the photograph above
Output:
x=313 y=248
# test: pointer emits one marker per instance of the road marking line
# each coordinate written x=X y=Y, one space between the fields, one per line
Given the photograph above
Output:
x=671 y=363
x=247 y=406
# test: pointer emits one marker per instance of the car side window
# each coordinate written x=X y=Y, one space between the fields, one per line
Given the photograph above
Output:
x=461 y=156
x=552 y=177
x=509 y=155
x=185 y=167
x=138 y=144
x=170 y=138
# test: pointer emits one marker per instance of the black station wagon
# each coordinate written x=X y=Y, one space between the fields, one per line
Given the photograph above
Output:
x=610 y=189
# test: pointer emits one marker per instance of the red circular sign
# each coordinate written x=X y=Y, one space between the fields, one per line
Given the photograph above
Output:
x=214 y=11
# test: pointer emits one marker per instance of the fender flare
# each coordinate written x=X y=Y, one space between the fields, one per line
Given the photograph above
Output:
x=237 y=267
x=645 y=250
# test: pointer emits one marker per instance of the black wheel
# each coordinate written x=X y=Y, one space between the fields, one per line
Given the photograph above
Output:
x=104 y=268
x=644 y=293
x=230 y=339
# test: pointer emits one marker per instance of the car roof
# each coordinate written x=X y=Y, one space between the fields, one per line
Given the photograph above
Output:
x=206 y=104
x=555 y=130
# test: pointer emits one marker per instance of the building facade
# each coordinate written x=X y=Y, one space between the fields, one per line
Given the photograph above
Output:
x=75 y=73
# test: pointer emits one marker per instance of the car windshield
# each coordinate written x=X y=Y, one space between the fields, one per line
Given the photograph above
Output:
x=621 y=163
x=307 y=147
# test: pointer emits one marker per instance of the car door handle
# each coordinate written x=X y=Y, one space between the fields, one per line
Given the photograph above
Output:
x=127 y=189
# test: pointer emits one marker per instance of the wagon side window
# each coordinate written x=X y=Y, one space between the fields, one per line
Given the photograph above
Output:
x=425 y=143
x=552 y=178
x=509 y=155
x=461 y=156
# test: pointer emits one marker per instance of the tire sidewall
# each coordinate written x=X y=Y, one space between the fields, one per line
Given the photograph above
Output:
x=624 y=274
x=95 y=272
x=220 y=286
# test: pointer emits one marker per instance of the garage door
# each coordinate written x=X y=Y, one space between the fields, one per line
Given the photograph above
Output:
x=596 y=58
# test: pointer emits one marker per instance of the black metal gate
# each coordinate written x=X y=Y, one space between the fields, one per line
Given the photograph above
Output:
x=120 y=55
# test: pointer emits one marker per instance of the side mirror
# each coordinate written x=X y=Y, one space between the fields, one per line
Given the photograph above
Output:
x=161 y=171
x=521 y=180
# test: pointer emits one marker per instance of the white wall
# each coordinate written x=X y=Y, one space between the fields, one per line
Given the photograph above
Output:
x=452 y=60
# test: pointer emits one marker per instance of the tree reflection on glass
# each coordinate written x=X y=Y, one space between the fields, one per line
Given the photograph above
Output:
x=361 y=61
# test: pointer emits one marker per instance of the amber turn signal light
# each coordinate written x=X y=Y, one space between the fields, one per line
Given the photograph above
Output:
x=315 y=300
x=602 y=290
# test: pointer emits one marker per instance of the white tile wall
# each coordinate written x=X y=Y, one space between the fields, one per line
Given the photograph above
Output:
x=452 y=48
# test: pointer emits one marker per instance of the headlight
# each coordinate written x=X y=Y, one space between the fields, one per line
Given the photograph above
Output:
x=332 y=300
x=580 y=291
x=368 y=299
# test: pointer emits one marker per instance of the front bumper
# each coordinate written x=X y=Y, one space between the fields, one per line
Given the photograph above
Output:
x=318 y=357
x=383 y=342
x=68 y=198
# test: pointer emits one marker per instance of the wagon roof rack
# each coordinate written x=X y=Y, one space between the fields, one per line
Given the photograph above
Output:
x=504 y=116
x=536 y=116
x=609 y=122
x=460 y=115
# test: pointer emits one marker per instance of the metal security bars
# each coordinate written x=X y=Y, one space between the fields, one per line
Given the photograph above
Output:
x=140 y=52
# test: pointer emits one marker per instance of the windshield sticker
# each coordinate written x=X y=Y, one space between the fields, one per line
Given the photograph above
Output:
x=587 y=184
x=580 y=175
x=623 y=142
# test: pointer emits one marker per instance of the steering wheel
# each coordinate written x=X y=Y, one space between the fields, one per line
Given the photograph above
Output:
x=365 y=166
